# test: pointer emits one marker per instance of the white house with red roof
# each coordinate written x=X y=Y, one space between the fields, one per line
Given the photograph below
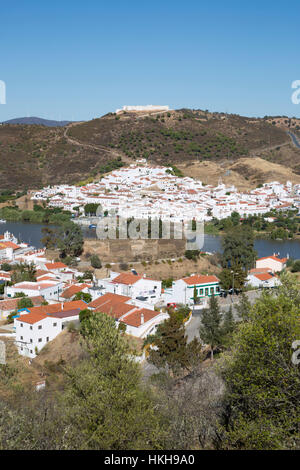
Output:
x=49 y=289
x=274 y=263
x=263 y=279
x=133 y=285
x=139 y=321
x=7 y=250
x=35 y=327
x=182 y=291
x=55 y=266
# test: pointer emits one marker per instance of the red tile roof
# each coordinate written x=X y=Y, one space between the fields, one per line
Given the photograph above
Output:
x=55 y=265
x=264 y=276
x=259 y=270
x=37 y=314
x=31 y=318
x=134 y=318
x=72 y=290
x=109 y=297
x=275 y=258
x=8 y=244
x=115 y=310
x=126 y=278
x=52 y=308
x=196 y=280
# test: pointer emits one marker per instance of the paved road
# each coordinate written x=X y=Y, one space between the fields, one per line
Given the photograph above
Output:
x=192 y=329
x=294 y=139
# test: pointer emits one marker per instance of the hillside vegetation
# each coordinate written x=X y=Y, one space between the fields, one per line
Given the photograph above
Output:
x=34 y=156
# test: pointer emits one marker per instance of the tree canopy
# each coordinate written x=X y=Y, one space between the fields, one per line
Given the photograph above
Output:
x=262 y=383
x=238 y=248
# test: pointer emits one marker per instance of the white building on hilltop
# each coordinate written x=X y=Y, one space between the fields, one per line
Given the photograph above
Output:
x=148 y=107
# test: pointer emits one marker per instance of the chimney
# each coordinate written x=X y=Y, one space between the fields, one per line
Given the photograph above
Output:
x=62 y=305
x=144 y=275
x=142 y=319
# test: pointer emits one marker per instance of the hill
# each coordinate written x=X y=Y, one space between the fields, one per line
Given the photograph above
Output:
x=34 y=156
x=37 y=121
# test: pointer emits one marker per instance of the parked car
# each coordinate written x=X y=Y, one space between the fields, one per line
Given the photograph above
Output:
x=223 y=293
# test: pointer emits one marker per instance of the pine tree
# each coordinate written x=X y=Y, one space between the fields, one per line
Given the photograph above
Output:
x=238 y=244
x=262 y=382
x=228 y=326
x=171 y=347
x=104 y=403
x=243 y=307
x=211 y=329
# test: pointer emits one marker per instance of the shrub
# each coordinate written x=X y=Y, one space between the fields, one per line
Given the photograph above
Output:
x=124 y=266
x=96 y=262
x=296 y=266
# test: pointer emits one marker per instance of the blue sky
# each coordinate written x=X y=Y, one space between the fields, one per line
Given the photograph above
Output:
x=81 y=59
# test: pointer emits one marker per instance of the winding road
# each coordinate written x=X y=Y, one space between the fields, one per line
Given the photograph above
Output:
x=294 y=139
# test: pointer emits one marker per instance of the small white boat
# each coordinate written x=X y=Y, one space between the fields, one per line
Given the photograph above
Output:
x=2 y=221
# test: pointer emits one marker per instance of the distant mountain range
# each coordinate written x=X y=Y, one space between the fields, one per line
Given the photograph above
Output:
x=37 y=121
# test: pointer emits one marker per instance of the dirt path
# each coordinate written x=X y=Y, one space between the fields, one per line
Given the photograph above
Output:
x=113 y=153
x=256 y=152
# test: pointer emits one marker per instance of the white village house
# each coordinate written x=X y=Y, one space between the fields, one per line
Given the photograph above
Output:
x=132 y=285
x=36 y=326
x=182 y=291
x=274 y=263
x=267 y=279
x=50 y=290
x=139 y=321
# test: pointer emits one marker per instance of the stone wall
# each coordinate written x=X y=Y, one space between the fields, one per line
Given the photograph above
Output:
x=134 y=250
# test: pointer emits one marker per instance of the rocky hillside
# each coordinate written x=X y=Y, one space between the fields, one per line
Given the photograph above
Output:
x=32 y=156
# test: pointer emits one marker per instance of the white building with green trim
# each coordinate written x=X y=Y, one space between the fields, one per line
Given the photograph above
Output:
x=182 y=291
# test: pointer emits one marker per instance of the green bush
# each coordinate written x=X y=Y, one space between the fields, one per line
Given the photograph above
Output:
x=96 y=262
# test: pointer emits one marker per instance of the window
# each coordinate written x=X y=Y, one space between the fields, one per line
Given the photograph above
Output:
x=40 y=327
x=54 y=324
x=40 y=340
x=31 y=327
x=211 y=290
x=47 y=339
x=21 y=337
x=218 y=289
x=201 y=291
x=30 y=351
x=31 y=340
x=21 y=325
x=206 y=291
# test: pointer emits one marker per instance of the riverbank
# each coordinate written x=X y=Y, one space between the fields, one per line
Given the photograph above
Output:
x=39 y=215
x=32 y=233
x=264 y=247
x=261 y=235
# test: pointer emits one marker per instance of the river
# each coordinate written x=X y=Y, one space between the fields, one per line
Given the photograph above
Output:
x=25 y=232
x=32 y=234
x=213 y=243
